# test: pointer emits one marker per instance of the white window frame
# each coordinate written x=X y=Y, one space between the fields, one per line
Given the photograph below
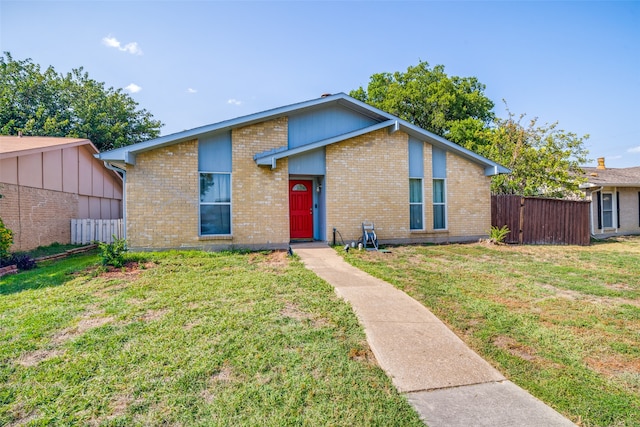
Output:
x=421 y=203
x=229 y=203
x=613 y=204
x=443 y=203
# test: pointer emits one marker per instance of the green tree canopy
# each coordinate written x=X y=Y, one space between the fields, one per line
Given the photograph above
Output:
x=45 y=103
x=544 y=160
x=429 y=98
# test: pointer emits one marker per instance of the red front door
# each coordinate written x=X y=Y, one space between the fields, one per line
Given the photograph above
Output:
x=301 y=209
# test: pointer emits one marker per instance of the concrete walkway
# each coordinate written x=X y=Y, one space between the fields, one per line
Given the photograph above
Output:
x=446 y=382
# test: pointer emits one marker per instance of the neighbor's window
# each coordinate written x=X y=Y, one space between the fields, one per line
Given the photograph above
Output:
x=415 y=204
x=439 y=205
x=215 y=203
x=607 y=210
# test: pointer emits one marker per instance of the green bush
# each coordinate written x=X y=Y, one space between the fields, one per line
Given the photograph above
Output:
x=6 y=240
x=113 y=253
x=497 y=235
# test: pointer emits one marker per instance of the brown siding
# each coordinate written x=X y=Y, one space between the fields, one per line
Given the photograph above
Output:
x=70 y=170
x=39 y=210
x=51 y=170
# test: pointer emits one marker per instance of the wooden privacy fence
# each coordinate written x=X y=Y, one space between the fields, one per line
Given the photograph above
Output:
x=534 y=220
x=85 y=231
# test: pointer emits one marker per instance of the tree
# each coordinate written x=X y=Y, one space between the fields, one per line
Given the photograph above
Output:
x=429 y=98
x=544 y=160
x=73 y=105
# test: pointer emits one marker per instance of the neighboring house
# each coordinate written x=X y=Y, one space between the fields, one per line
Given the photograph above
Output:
x=45 y=182
x=615 y=199
x=302 y=172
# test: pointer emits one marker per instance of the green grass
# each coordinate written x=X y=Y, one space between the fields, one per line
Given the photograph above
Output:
x=52 y=249
x=562 y=322
x=186 y=338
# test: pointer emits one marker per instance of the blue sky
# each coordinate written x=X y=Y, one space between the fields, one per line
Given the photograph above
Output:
x=192 y=63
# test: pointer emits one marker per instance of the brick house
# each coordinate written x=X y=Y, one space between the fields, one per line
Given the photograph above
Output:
x=615 y=199
x=45 y=182
x=296 y=173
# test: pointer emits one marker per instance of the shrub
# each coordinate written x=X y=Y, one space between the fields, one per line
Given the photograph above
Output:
x=497 y=235
x=6 y=240
x=23 y=261
x=113 y=253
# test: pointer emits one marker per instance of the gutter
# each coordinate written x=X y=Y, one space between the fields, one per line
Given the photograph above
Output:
x=124 y=194
x=591 y=188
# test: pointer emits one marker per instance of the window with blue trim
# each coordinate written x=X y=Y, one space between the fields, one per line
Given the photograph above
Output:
x=214 y=164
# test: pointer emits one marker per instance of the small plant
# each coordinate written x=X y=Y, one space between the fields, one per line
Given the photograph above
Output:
x=6 y=240
x=113 y=253
x=23 y=261
x=497 y=235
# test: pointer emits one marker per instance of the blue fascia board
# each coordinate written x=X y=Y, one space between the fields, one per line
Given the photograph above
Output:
x=269 y=158
x=491 y=167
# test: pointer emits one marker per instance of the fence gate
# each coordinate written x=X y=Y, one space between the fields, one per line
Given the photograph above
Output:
x=84 y=231
x=534 y=220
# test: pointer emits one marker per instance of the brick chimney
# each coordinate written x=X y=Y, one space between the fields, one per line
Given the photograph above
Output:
x=601 y=163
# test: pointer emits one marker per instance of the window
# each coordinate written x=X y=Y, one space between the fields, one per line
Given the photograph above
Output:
x=215 y=203
x=607 y=210
x=299 y=187
x=439 y=205
x=415 y=204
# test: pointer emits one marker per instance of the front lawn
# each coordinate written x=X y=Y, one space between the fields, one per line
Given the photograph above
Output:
x=563 y=322
x=186 y=338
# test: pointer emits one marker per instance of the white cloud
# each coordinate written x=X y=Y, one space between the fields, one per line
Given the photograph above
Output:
x=234 y=101
x=634 y=149
x=133 y=88
x=191 y=90
x=131 y=48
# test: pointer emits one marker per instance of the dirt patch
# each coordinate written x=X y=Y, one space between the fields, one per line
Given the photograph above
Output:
x=225 y=375
x=35 y=357
x=571 y=295
x=92 y=318
x=292 y=311
x=515 y=348
x=152 y=315
x=614 y=365
x=364 y=355
x=273 y=262
x=130 y=271
x=22 y=418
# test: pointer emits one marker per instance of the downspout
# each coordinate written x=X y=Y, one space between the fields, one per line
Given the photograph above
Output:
x=124 y=195
x=593 y=230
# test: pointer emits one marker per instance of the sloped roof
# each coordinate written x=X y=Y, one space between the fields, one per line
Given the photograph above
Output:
x=126 y=155
x=14 y=146
x=612 y=177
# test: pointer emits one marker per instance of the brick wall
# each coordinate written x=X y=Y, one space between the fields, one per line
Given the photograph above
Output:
x=367 y=178
x=468 y=199
x=260 y=196
x=163 y=195
x=162 y=192
x=37 y=217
